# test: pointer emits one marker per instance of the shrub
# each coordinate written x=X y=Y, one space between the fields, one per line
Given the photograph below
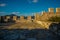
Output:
x=54 y=19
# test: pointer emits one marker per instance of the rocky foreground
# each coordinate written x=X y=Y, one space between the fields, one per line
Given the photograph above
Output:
x=28 y=31
x=25 y=34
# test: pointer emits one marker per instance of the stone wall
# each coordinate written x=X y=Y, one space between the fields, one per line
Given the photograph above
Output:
x=14 y=18
x=44 y=17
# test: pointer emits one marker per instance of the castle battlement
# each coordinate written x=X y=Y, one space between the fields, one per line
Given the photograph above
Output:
x=29 y=18
x=44 y=16
x=21 y=17
x=57 y=9
x=50 y=9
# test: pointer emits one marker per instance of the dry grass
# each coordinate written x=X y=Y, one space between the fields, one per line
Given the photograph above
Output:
x=25 y=25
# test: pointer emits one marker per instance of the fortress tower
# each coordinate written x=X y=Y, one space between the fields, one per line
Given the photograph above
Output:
x=51 y=12
x=14 y=18
x=57 y=11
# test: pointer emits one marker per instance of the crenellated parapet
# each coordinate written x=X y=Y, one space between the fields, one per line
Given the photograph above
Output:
x=21 y=17
x=38 y=17
x=28 y=17
x=40 y=21
x=57 y=11
x=51 y=10
x=14 y=18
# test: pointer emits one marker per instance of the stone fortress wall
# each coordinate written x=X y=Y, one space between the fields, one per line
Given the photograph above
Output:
x=39 y=20
x=37 y=17
x=46 y=15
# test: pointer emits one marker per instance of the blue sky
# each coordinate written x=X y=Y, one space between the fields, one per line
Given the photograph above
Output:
x=26 y=7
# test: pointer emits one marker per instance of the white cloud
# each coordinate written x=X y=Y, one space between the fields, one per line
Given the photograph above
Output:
x=15 y=12
x=35 y=1
x=32 y=1
x=2 y=4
